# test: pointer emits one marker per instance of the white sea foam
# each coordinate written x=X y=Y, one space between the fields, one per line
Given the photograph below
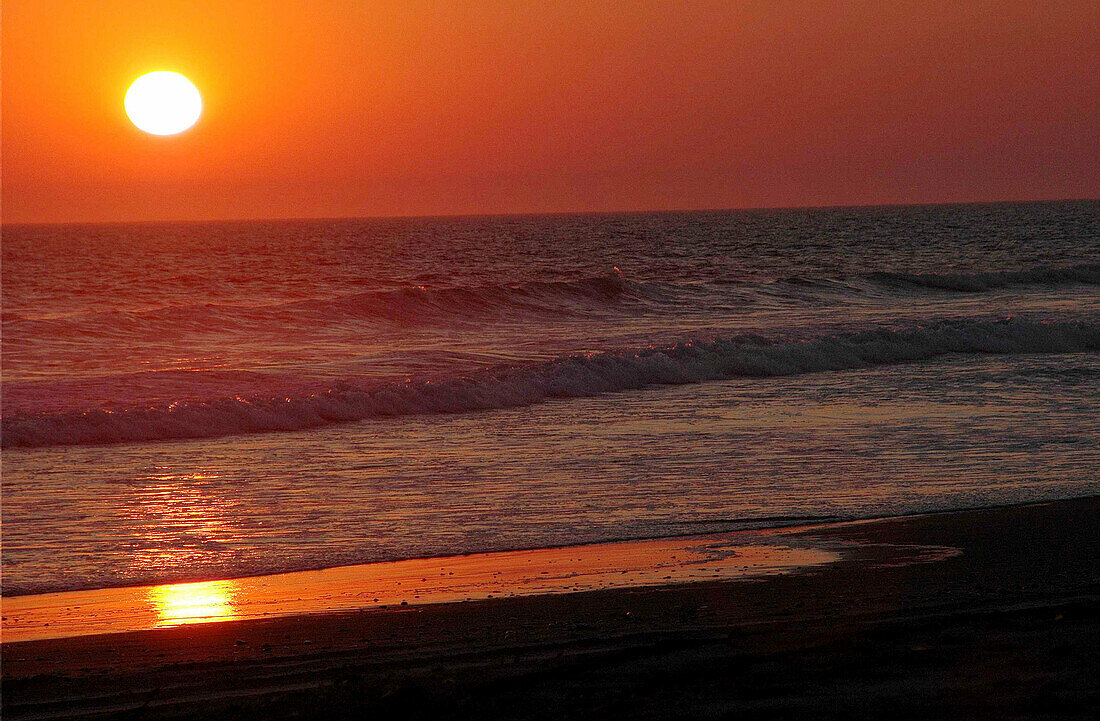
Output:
x=572 y=376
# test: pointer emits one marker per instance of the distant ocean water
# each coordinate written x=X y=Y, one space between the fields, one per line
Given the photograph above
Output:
x=196 y=400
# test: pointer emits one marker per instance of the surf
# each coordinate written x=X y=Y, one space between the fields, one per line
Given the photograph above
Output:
x=578 y=375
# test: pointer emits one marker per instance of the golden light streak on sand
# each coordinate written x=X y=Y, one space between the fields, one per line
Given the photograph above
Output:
x=654 y=562
x=183 y=603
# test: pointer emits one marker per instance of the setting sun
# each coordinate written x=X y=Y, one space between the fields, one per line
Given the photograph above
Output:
x=163 y=103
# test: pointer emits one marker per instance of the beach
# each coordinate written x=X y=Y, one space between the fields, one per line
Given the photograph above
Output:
x=567 y=360
x=985 y=613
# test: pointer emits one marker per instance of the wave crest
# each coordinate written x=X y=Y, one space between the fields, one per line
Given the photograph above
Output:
x=977 y=282
x=568 y=377
x=413 y=305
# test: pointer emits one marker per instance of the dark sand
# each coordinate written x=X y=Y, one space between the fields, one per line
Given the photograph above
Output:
x=977 y=614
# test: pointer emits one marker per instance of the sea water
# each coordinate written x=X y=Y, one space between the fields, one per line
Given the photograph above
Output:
x=188 y=401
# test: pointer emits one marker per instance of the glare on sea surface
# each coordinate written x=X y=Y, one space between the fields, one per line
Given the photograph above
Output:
x=183 y=603
x=163 y=103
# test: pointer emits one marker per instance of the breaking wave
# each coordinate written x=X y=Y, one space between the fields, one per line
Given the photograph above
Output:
x=568 y=377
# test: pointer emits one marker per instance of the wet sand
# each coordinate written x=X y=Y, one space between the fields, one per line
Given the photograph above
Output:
x=365 y=587
x=977 y=614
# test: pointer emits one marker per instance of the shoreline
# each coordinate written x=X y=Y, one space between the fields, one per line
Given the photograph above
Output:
x=1002 y=619
x=780 y=524
x=415 y=582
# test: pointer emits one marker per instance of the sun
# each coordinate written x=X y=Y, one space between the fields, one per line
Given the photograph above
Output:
x=163 y=103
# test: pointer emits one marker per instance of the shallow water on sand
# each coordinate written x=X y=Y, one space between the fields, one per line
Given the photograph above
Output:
x=450 y=579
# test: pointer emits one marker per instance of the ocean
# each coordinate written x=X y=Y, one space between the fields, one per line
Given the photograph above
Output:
x=190 y=401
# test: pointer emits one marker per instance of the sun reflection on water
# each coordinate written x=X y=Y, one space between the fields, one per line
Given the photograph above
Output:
x=184 y=603
x=182 y=519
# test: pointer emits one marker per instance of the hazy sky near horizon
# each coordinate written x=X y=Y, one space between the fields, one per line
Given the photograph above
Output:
x=341 y=108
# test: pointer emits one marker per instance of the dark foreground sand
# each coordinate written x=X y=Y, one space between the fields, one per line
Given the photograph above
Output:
x=978 y=614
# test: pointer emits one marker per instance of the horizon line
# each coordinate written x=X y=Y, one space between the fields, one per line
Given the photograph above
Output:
x=521 y=214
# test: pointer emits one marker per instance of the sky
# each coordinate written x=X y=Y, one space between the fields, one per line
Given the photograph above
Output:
x=334 y=108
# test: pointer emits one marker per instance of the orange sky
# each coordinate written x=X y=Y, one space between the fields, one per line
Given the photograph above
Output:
x=342 y=108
